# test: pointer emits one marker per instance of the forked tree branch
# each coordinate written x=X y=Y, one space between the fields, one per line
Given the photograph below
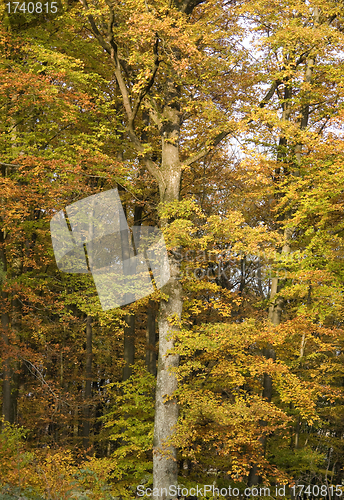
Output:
x=111 y=48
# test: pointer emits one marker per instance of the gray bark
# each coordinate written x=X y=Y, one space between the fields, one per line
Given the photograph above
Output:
x=165 y=470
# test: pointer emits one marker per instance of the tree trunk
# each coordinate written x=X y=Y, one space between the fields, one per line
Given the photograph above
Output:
x=88 y=384
x=129 y=329
x=276 y=307
x=165 y=470
x=15 y=328
x=7 y=406
x=129 y=345
x=151 y=340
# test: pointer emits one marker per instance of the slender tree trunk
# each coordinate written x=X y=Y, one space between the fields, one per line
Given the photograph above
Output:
x=166 y=115
x=151 y=340
x=129 y=345
x=7 y=406
x=88 y=352
x=10 y=379
x=76 y=426
x=129 y=329
x=276 y=307
x=242 y=274
x=259 y=279
x=88 y=385
x=269 y=353
x=15 y=328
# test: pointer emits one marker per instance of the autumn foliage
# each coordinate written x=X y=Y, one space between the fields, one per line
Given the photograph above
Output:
x=251 y=96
